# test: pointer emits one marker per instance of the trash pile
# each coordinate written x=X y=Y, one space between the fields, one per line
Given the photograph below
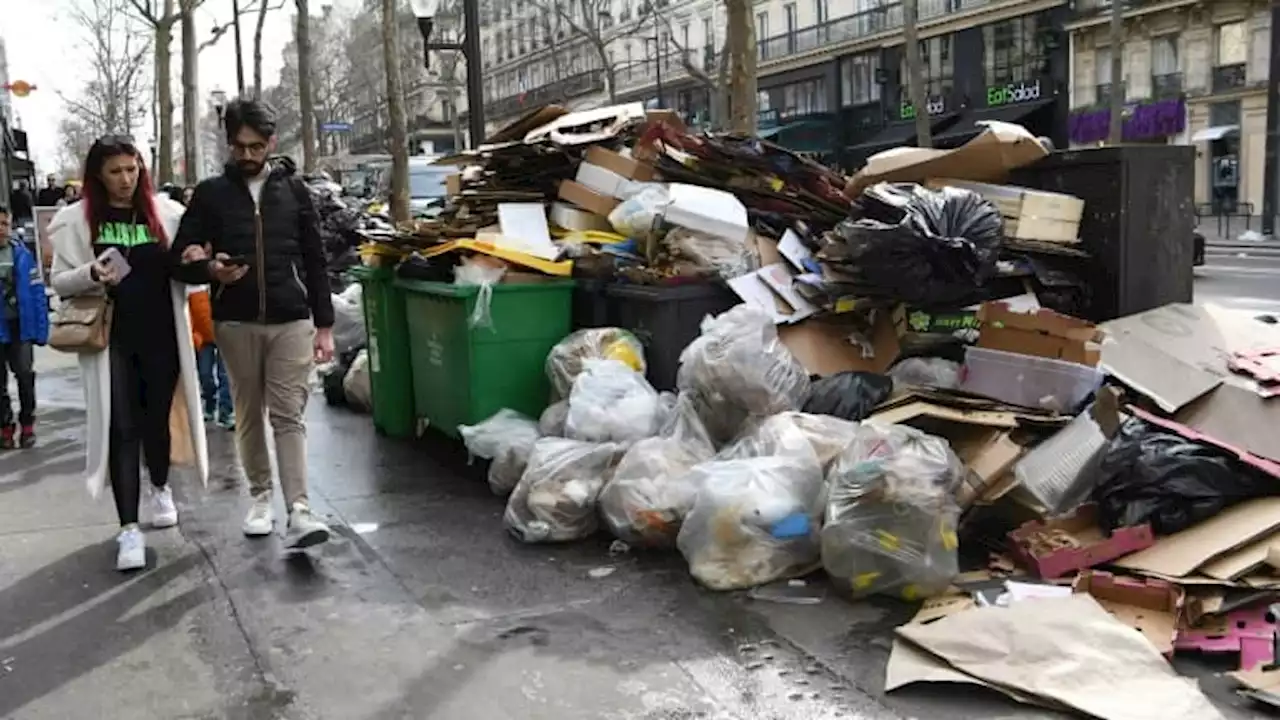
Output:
x=344 y=226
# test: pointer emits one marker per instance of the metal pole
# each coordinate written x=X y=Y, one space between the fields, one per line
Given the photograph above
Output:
x=1271 y=168
x=657 y=50
x=475 y=77
x=235 y=19
x=1116 y=102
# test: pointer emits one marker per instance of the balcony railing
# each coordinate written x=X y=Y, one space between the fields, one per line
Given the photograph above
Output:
x=1167 y=85
x=1102 y=94
x=1088 y=8
x=572 y=86
x=1229 y=77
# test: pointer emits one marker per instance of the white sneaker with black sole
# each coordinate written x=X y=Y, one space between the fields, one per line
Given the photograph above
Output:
x=261 y=519
x=305 y=530
x=132 y=552
x=164 y=513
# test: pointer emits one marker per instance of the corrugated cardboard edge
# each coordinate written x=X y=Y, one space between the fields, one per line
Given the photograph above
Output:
x=1182 y=553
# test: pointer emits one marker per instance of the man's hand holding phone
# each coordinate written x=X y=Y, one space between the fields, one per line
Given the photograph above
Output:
x=226 y=269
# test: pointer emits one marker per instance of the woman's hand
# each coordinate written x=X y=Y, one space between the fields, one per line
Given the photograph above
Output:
x=101 y=274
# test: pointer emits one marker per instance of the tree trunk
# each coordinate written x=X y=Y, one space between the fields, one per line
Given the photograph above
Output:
x=720 y=92
x=395 y=111
x=257 y=50
x=915 y=75
x=455 y=117
x=164 y=91
x=190 y=90
x=743 y=94
x=1116 y=134
x=306 y=100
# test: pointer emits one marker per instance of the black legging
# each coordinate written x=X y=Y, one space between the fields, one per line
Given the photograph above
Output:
x=142 y=385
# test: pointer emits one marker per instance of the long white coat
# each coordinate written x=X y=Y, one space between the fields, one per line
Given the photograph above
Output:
x=70 y=276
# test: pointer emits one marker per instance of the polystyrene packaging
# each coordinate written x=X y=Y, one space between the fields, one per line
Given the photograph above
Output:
x=565 y=361
x=891 y=513
x=610 y=402
x=652 y=490
x=754 y=521
x=738 y=367
x=555 y=500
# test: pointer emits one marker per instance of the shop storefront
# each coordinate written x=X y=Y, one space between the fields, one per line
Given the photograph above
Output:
x=1156 y=121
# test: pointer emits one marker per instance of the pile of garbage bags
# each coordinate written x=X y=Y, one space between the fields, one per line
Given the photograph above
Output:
x=729 y=471
x=341 y=221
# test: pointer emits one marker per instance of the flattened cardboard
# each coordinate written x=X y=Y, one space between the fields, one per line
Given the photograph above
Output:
x=988 y=158
x=1084 y=545
x=1263 y=464
x=1176 y=355
x=1182 y=553
x=1152 y=607
x=823 y=348
x=1244 y=561
x=624 y=166
x=570 y=218
x=1043 y=333
x=989 y=454
x=586 y=198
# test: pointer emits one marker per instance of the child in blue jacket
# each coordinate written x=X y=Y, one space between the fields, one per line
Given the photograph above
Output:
x=24 y=323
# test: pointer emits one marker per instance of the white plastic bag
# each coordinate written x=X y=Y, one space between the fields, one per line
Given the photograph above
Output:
x=555 y=500
x=356 y=386
x=792 y=433
x=610 y=402
x=564 y=362
x=892 y=513
x=349 y=330
x=927 y=372
x=639 y=214
x=506 y=439
x=754 y=521
x=738 y=368
x=471 y=272
x=551 y=424
x=652 y=490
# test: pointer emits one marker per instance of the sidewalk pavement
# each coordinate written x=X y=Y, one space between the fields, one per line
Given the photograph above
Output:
x=421 y=607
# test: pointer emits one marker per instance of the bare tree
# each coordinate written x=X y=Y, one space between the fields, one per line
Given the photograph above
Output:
x=743 y=86
x=915 y=75
x=593 y=22
x=395 y=109
x=75 y=135
x=306 y=101
x=113 y=98
x=263 y=8
x=160 y=16
x=1116 y=134
x=190 y=92
x=717 y=87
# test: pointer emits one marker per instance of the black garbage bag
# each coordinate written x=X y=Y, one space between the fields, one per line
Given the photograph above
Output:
x=847 y=395
x=1150 y=475
x=930 y=248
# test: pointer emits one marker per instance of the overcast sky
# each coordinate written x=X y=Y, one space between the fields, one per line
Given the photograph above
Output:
x=44 y=49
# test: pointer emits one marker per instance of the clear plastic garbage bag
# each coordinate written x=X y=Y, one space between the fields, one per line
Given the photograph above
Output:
x=555 y=500
x=564 y=362
x=610 y=402
x=738 y=367
x=652 y=490
x=486 y=276
x=793 y=433
x=506 y=439
x=357 y=386
x=349 y=330
x=754 y=521
x=551 y=424
x=892 y=513
x=927 y=372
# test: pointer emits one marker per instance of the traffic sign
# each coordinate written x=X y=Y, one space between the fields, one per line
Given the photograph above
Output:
x=335 y=127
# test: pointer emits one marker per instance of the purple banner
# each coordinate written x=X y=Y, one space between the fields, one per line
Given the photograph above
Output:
x=1145 y=122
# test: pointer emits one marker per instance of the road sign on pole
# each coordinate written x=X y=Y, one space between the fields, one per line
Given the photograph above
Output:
x=335 y=127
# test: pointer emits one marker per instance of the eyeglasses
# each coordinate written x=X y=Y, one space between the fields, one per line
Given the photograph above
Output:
x=253 y=148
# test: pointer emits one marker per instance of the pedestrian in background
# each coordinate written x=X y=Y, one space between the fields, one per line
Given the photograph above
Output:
x=24 y=323
x=130 y=386
x=254 y=233
x=215 y=389
x=50 y=194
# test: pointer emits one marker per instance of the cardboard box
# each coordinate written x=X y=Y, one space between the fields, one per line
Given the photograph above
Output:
x=709 y=210
x=1058 y=547
x=1043 y=333
x=823 y=347
x=566 y=216
x=453 y=185
x=586 y=198
x=627 y=167
x=1152 y=607
x=989 y=454
x=1029 y=214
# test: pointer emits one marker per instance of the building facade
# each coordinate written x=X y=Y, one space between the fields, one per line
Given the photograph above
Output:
x=831 y=72
x=1194 y=72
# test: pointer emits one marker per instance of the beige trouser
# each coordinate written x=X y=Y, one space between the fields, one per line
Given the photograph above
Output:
x=269 y=366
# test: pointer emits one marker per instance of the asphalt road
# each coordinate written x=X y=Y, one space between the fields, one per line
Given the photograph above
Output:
x=1247 y=279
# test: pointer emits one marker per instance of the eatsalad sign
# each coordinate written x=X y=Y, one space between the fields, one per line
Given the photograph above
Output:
x=1013 y=93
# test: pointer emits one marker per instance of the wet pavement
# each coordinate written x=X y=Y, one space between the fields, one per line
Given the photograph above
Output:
x=421 y=607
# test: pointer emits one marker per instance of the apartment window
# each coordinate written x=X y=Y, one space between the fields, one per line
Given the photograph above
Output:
x=1232 y=44
x=1102 y=66
x=684 y=36
x=763 y=100
x=762 y=25
x=630 y=61
x=520 y=39
x=790 y=11
x=821 y=11
x=1014 y=50
x=858 y=79
x=1164 y=55
x=804 y=98
x=511 y=44
x=937 y=67
x=708 y=33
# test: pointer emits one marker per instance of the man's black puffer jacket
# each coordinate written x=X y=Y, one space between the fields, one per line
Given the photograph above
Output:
x=279 y=237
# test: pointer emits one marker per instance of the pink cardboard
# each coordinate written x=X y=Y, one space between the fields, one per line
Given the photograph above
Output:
x=1249 y=631
x=1267 y=466
x=1091 y=546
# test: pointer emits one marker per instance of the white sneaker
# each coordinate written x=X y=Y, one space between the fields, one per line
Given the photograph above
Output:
x=133 y=550
x=304 y=529
x=261 y=518
x=164 y=514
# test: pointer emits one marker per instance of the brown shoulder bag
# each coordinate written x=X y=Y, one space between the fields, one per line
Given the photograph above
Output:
x=82 y=324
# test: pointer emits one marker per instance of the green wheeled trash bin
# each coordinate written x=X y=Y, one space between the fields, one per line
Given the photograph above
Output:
x=390 y=373
x=464 y=374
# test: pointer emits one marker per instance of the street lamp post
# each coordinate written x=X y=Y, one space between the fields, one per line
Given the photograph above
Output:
x=425 y=11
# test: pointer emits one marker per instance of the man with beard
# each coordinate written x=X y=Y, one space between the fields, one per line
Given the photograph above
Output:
x=254 y=234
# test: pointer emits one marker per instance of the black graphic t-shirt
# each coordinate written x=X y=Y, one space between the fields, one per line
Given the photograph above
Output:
x=143 y=304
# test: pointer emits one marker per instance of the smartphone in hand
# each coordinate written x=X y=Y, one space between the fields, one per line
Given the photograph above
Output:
x=114 y=262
